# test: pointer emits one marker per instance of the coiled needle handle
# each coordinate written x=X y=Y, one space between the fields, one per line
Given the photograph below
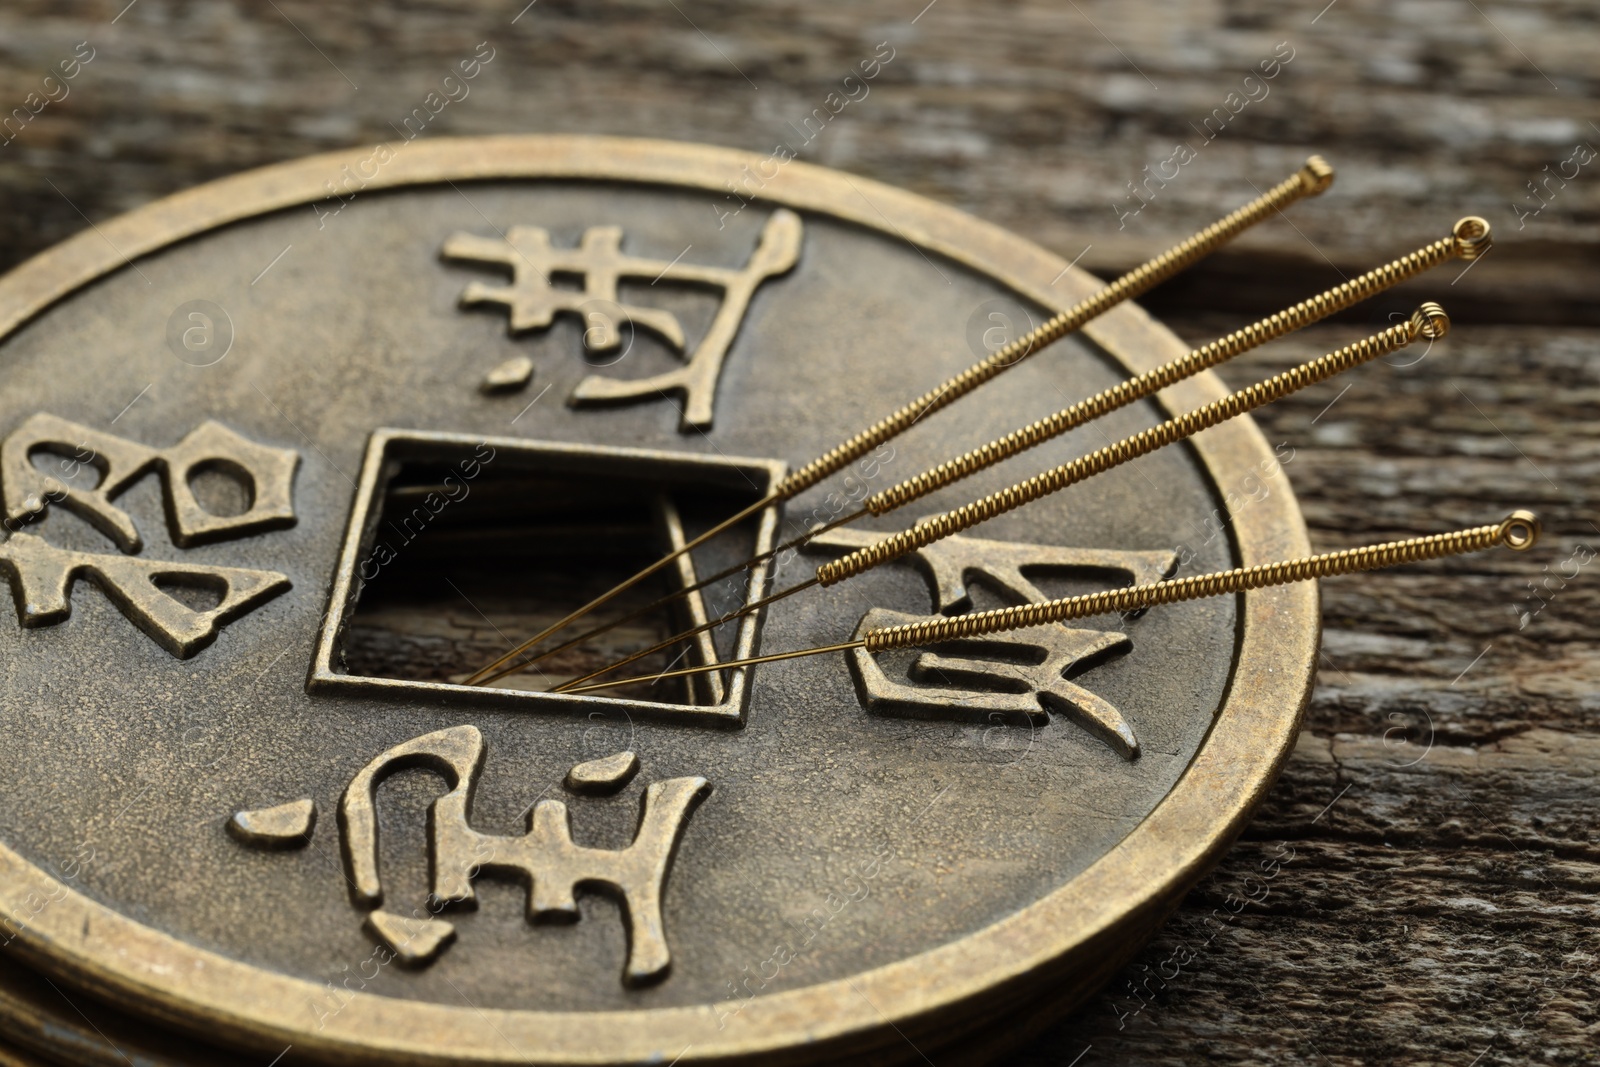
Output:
x=1468 y=240
x=1428 y=321
x=1518 y=531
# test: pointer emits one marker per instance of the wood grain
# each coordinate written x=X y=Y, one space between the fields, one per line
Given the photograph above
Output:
x=1423 y=885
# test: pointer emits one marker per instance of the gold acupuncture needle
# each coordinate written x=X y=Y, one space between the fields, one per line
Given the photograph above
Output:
x=1468 y=240
x=1519 y=531
x=1429 y=321
x=1311 y=179
x=728 y=572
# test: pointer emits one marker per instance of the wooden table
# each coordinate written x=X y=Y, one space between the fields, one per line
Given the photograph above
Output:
x=1424 y=884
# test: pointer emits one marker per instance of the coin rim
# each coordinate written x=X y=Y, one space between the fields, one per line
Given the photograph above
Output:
x=1072 y=937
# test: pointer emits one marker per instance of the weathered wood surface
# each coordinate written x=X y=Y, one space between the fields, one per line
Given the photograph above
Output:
x=1426 y=876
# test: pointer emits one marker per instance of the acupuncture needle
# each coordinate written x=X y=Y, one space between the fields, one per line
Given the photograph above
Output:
x=1518 y=531
x=1468 y=240
x=1428 y=322
x=1311 y=179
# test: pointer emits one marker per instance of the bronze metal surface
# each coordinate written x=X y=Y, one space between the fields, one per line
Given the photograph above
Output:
x=823 y=868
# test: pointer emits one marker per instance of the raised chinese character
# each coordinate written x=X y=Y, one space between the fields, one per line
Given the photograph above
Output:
x=41 y=574
x=532 y=302
x=554 y=867
x=1022 y=673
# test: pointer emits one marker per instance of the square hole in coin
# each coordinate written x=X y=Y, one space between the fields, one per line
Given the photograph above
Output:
x=460 y=548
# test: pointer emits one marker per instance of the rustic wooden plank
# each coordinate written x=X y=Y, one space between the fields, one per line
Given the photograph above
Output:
x=1433 y=913
x=1035 y=115
x=1443 y=905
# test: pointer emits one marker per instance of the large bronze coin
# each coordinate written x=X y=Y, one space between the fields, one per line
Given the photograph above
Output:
x=286 y=457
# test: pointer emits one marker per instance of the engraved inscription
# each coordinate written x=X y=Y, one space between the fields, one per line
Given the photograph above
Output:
x=604 y=776
x=532 y=302
x=979 y=682
x=1022 y=674
x=29 y=491
x=41 y=575
x=280 y=826
x=267 y=474
x=41 y=579
x=509 y=377
x=546 y=856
